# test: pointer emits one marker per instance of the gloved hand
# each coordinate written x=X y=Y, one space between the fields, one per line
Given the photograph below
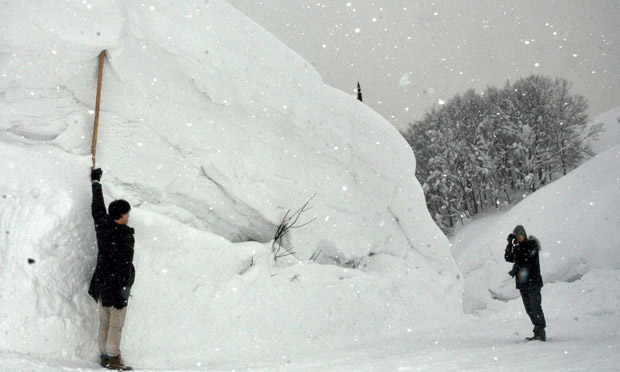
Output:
x=124 y=298
x=95 y=174
x=513 y=272
x=511 y=237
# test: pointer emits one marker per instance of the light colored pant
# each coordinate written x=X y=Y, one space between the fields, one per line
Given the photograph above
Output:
x=111 y=322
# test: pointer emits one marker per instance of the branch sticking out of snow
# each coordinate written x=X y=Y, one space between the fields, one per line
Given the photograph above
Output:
x=288 y=222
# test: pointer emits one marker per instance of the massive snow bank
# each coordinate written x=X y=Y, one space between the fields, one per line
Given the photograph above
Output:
x=212 y=121
x=212 y=129
x=45 y=251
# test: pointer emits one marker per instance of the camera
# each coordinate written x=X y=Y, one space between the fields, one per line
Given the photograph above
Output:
x=511 y=238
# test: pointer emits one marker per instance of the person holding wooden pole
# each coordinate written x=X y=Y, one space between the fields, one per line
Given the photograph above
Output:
x=114 y=274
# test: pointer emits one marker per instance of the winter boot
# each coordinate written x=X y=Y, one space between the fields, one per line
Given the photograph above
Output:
x=104 y=360
x=116 y=363
x=538 y=336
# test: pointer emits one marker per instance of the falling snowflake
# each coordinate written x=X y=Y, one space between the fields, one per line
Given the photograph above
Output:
x=404 y=80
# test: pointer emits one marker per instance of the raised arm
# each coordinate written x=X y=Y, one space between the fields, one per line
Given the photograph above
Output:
x=509 y=252
x=98 y=204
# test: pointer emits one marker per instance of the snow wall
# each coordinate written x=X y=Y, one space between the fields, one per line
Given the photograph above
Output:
x=575 y=219
x=212 y=129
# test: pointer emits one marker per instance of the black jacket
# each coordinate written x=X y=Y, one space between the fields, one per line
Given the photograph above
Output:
x=526 y=268
x=115 y=273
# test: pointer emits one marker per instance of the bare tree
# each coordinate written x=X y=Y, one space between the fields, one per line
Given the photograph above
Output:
x=289 y=221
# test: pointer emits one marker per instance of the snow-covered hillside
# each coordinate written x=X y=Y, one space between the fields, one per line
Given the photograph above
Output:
x=575 y=218
x=212 y=129
x=610 y=134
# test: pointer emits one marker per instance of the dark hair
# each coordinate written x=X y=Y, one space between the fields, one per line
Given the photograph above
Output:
x=118 y=208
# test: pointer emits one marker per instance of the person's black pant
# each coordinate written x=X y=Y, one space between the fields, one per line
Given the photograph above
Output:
x=532 y=300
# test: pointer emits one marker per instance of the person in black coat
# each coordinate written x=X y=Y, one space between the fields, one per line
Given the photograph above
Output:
x=114 y=274
x=523 y=252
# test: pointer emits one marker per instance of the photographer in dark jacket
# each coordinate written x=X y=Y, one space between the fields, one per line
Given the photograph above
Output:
x=523 y=252
x=114 y=274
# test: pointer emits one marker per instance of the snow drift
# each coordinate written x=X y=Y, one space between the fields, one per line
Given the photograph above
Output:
x=575 y=218
x=212 y=129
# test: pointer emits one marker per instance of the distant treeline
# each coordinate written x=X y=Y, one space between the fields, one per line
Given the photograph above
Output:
x=477 y=151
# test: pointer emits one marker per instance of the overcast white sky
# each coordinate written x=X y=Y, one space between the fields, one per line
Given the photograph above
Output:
x=409 y=55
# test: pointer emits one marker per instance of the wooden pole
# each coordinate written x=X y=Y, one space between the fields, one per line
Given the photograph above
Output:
x=93 y=150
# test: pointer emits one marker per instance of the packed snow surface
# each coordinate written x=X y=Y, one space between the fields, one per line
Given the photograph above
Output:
x=583 y=327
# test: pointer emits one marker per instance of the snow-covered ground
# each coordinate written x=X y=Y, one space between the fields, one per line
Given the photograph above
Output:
x=212 y=138
x=582 y=337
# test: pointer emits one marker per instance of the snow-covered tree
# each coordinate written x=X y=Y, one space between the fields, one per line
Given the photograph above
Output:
x=478 y=150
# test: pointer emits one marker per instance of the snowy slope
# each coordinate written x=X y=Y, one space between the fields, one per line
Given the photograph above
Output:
x=610 y=135
x=212 y=129
x=575 y=218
